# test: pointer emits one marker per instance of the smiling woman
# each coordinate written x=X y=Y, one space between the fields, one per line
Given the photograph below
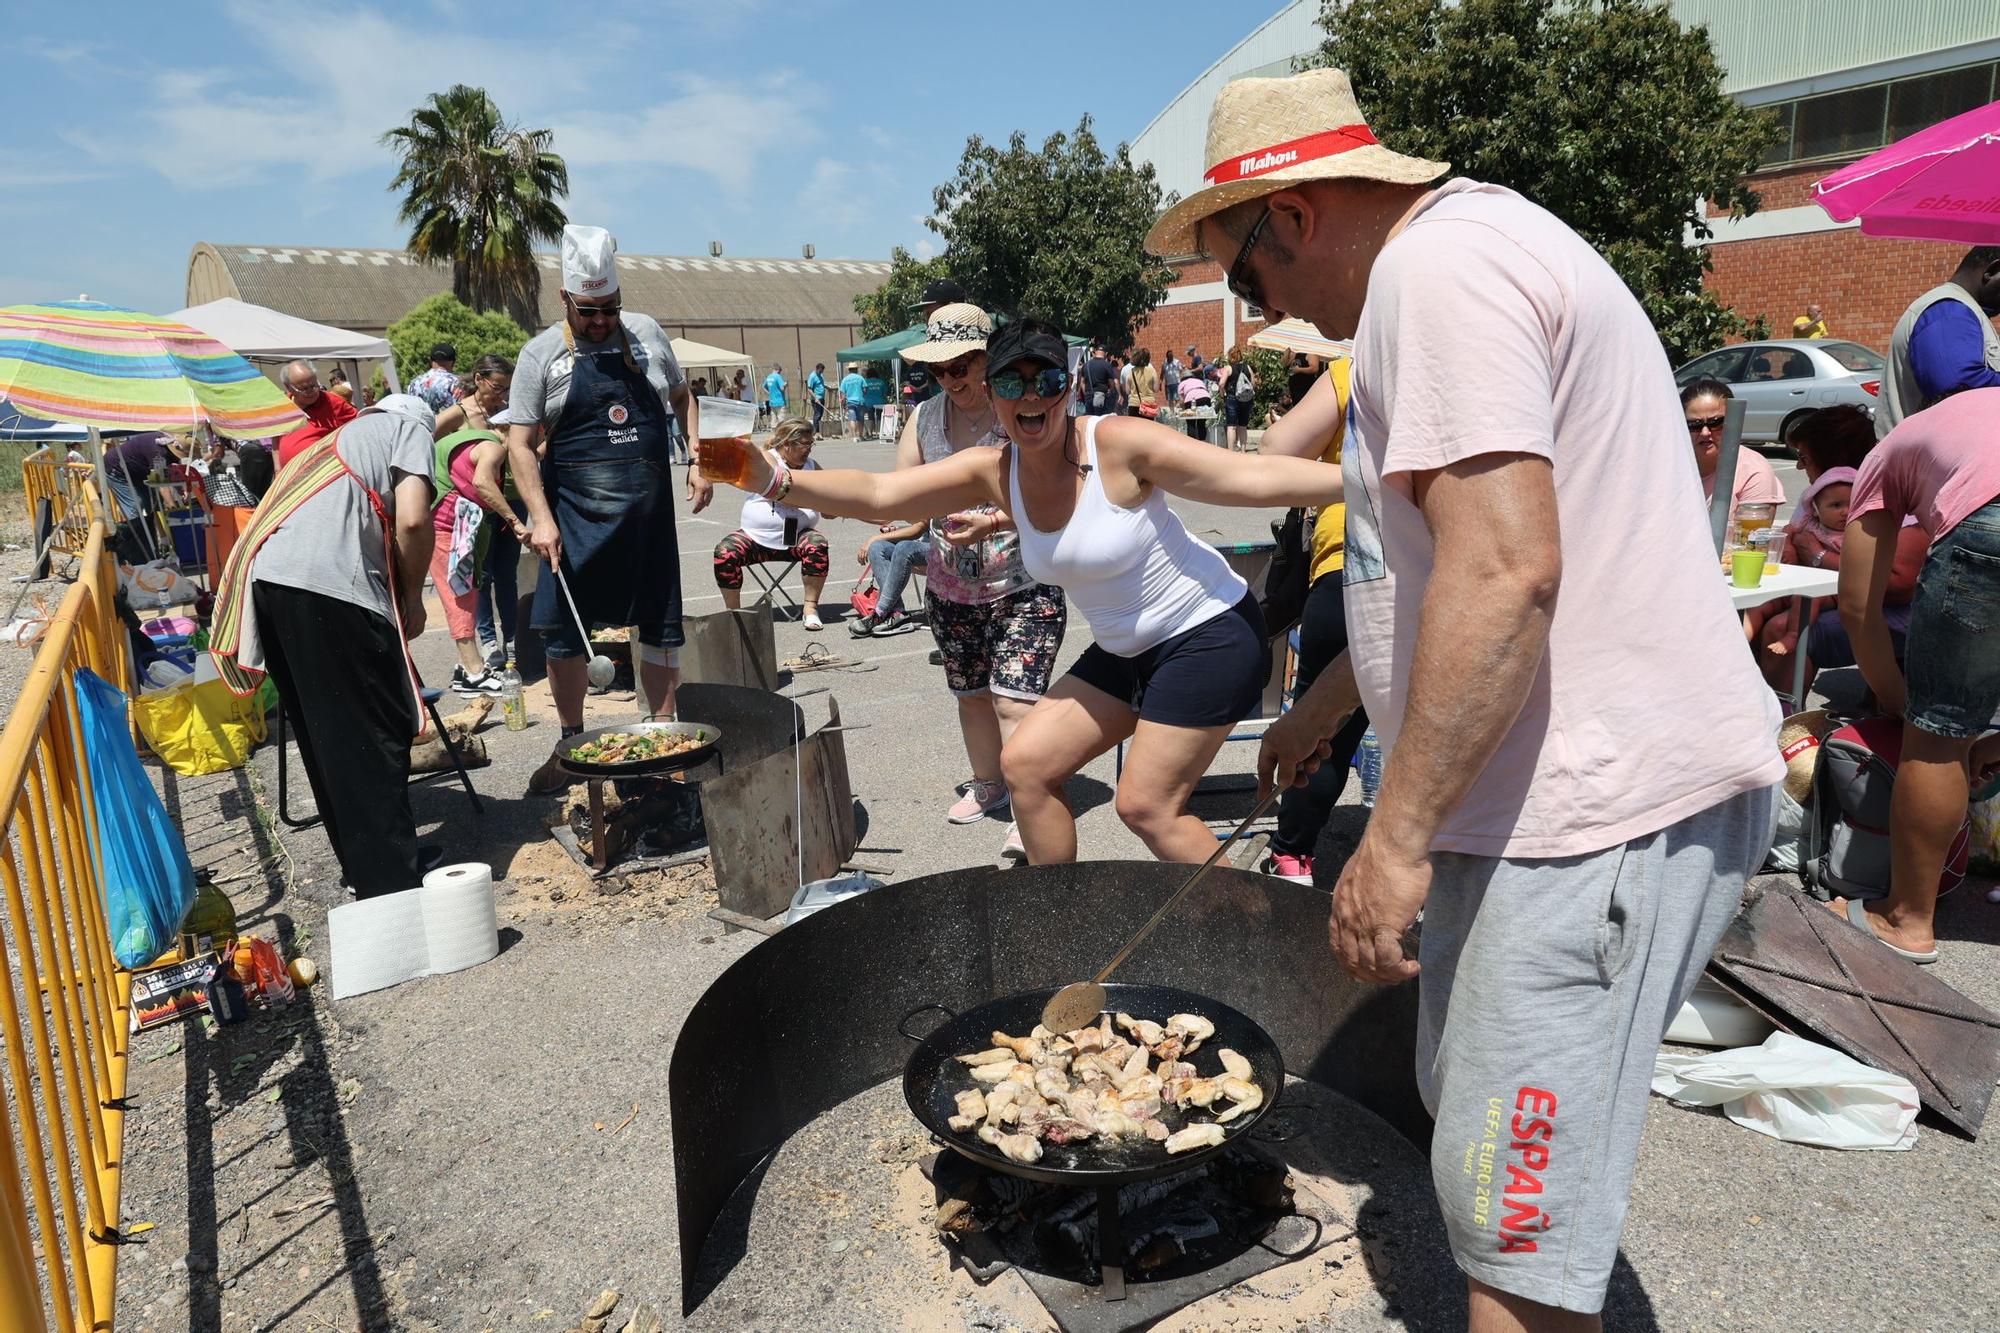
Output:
x=1180 y=653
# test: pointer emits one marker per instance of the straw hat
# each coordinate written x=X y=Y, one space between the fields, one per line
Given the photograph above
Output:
x=953 y=331
x=1265 y=134
x=1798 y=742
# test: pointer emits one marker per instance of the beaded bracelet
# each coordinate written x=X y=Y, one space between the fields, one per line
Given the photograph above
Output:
x=781 y=482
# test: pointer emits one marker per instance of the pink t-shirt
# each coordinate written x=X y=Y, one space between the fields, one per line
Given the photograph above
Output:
x=1756 y=482
x=461 y=481
x=1937 y=465
x=1491 y=327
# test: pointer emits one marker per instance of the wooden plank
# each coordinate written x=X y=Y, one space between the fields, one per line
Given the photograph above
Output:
x=752 y=815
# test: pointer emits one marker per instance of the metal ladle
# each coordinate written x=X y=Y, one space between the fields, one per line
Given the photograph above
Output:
x=600 y=669
x=1080 y=1002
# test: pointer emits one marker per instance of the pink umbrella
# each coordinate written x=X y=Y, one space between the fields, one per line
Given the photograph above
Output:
x=1940 y=184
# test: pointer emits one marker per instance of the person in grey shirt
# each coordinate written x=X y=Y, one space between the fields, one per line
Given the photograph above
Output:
x=335 y=592
x=592 y=414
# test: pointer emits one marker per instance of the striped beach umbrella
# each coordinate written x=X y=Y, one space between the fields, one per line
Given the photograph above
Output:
x=91 y=364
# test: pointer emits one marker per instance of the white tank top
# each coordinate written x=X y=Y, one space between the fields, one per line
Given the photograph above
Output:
x=1136 y=574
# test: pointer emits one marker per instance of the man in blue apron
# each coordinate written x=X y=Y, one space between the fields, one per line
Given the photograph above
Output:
x=598 y=392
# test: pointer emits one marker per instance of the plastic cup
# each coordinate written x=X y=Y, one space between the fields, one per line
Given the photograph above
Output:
x=1746 y=568
x=725 y=447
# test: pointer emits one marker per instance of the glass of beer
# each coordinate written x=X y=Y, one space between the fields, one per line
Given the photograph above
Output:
x=725 y=447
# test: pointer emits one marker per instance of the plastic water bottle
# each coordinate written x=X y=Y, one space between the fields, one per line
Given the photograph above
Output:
x=1368 y=763
x=513 y=708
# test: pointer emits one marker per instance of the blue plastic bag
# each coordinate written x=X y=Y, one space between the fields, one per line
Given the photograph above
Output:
x=148 y=880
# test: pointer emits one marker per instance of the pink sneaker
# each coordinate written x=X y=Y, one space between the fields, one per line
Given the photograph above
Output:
x=1297 y=869
x=978 y=800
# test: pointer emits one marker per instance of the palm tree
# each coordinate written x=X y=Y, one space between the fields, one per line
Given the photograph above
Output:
x=480 y=194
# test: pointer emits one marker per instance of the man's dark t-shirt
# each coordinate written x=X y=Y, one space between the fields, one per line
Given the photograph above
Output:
x=1100 y=386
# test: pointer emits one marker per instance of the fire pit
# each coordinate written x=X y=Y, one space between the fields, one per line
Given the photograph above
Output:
x=807 y=1021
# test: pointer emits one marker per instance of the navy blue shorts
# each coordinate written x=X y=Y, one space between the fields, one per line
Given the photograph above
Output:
x=1210 y=676
x=1236 y=412
x=1953 y=665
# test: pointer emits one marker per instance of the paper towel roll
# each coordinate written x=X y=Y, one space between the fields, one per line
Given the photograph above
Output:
x=446 y=925
x=461 y=924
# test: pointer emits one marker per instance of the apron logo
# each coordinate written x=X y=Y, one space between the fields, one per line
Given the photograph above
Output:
x=619 y=414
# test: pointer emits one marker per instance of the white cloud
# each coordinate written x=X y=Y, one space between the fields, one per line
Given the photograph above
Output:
x=307 y=117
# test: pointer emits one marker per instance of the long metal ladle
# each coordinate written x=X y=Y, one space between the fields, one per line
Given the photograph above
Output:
x=600 y=671
x=1080 y=1002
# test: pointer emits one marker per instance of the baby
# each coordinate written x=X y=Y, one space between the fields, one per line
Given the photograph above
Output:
x=1822 y=514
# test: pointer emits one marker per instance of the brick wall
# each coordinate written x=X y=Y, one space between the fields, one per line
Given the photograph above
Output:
x=1198 y=322
x=1862 y=283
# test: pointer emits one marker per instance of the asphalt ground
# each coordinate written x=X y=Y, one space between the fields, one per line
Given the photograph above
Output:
x=498 y=1142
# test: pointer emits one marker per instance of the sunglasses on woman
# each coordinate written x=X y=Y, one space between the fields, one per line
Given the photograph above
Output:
x=1705 y=423
x=1013 y=385
x=958 y=369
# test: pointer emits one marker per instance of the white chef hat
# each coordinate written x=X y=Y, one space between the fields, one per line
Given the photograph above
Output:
x=589 y=261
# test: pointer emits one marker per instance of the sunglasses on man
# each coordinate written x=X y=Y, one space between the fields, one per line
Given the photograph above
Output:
x=1241 y=282
x=1013 y=385
x=583 y=311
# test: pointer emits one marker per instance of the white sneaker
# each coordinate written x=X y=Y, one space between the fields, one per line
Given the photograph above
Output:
x=1012 y=850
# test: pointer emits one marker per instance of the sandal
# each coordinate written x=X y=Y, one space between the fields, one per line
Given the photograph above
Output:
x=812 y=621
x=1857 y=913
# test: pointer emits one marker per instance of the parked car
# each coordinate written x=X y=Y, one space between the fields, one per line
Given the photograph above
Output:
x=1782 y=380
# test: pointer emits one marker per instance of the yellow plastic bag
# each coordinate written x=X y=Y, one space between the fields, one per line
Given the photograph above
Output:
x=200 y=727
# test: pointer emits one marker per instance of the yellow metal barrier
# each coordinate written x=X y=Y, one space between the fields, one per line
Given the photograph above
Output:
x=71 y=490
x=64 y=1003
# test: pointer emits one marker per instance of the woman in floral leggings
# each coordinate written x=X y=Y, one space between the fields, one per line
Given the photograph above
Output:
x=778 y=531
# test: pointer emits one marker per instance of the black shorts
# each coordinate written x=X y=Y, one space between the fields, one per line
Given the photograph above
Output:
x=1236 y=411
x=1209 y=676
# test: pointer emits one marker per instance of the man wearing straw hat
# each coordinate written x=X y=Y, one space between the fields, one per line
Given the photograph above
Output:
x=600 y=388
x=1579 y=759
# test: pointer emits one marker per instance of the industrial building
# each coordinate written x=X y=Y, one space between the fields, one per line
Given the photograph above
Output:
x=1844 y=77
x=793 y=312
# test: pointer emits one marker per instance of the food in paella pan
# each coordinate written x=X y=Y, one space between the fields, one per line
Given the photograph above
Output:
x=1104 y=1082
x=632 y=747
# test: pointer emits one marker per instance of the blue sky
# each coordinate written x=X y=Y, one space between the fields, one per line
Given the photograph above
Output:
x=143 y=128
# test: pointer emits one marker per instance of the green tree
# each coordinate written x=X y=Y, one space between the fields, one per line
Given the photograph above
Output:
x=480 y=195
x=892 y=307
x=1059 y=231
x=444 y=318
x=1606 y=112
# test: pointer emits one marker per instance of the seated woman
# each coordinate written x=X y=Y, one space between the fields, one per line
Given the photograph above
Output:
x=1180 y=653
x=468 y=476
x=778 y=531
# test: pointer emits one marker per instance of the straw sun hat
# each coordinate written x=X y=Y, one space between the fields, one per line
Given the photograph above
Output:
x=1798 y=742
x=1265 y=134
x=953 y=331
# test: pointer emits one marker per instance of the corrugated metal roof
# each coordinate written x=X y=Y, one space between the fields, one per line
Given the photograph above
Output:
x=371 y=289
x=1772 y=43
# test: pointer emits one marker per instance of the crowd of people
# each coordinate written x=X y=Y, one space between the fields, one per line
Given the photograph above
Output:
x=1476 y=476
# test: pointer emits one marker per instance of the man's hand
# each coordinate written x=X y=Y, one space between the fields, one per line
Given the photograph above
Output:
x=412 y=609
x=1378 y=896
x=700 y=491
x=545 y=540
x=1294 y=745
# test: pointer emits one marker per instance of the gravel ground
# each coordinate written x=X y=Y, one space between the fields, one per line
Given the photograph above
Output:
x=490 y=1149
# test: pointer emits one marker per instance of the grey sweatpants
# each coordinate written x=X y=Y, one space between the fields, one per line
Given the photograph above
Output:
x=1546 y=987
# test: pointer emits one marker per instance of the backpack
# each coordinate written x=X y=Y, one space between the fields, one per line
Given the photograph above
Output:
x=1847 y=832
x=1246 y=388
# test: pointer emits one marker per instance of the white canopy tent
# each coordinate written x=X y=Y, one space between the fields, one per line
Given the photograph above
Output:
x=700 y=356
x=257 y=333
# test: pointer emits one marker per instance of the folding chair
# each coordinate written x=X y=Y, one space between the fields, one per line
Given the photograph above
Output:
x=774 y=583
x=430 y=697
